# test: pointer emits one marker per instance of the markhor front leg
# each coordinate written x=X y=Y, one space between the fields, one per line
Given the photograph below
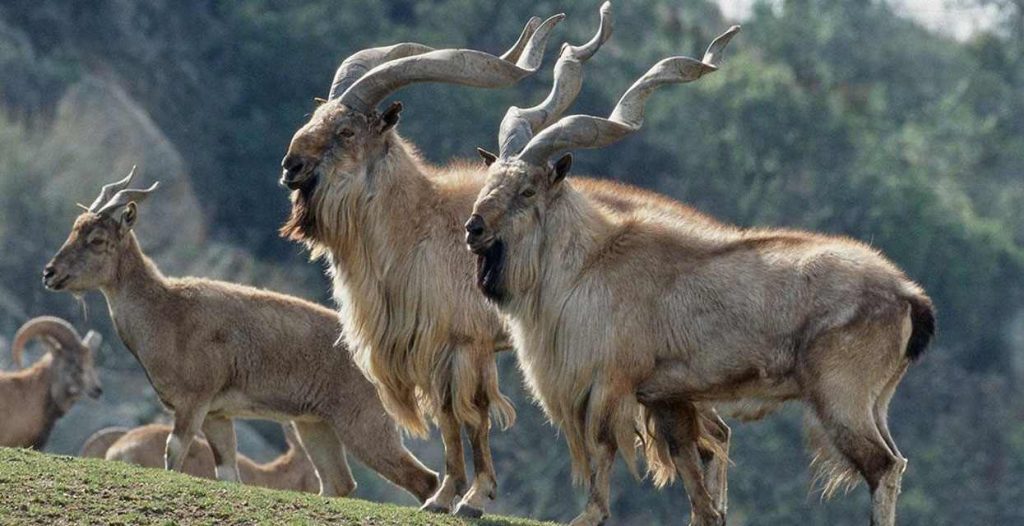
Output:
x=597 y=510
x=485 y=481
x=220 y=434
x=454 y=482
x=187 y=421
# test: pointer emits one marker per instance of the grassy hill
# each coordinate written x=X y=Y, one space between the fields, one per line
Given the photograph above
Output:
x=48 y=489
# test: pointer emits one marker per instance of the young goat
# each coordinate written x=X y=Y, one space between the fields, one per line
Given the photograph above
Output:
x=215 y=350
x=32 y=400
x=144 y=446
x=619 y=318
x=390 y=225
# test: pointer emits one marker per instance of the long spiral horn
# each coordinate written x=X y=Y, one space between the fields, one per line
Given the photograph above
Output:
x=585 y=131
x=519 y=125
x=358 y=64
x=454 y=66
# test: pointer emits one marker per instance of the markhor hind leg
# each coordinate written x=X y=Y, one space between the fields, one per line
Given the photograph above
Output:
x=716 y=462
x=679 y=428
x=328 y=457
x=602 y=458
x=375 y=440
x=847 y=400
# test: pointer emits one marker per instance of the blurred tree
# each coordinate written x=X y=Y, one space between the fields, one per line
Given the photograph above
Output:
x=831 y=115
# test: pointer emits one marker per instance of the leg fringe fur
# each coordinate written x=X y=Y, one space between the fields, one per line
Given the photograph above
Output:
x=833 y=472
x=660 y=465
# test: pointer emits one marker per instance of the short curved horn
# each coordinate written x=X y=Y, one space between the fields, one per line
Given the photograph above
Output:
x=585 y=131
x=124 y=197
x=454 y=66
x=519 y=125
x=358 y=64
x=109 y=190
x=52 y=326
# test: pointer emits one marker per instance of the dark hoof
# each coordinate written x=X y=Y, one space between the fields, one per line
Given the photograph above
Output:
x=468 y=512
x=435 y=508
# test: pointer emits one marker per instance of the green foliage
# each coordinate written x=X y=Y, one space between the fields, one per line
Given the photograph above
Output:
x=831 y=115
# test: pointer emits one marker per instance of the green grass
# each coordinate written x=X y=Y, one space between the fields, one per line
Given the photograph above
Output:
x=48 y=489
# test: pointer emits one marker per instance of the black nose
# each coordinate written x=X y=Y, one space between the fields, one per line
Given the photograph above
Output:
x=49 y=271
x=475 y=225
x=294 y=164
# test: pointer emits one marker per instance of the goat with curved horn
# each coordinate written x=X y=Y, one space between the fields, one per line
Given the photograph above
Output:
x=199 y=330
x=358 y=64
x=524 y=177
x=627 y=324
x=585 y=131
x=33 y=399
x=519 y=125
x=453 y=66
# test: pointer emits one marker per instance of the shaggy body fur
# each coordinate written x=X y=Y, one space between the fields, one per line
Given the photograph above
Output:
x=625 y=317
x=215 y=350
x=391 y=229
x=144 y=446
x=32 y=400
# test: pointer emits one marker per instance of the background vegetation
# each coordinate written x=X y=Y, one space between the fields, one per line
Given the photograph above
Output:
x=833 y=115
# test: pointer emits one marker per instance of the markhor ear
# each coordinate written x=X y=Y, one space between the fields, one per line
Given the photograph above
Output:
x=129 y=215
x=318 y=101
x=488 y=157
x=562 y=168
x=389 y=118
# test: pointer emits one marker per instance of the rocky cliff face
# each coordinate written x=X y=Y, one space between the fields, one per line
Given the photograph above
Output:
x=98 y=134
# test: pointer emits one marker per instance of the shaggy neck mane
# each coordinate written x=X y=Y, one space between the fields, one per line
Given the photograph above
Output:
x=391 y=236
x=544 y=266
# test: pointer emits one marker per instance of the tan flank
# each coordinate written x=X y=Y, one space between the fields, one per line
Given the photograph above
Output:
x=623 y=321
x=214 y=350
x=144 y=446
x=32 y=400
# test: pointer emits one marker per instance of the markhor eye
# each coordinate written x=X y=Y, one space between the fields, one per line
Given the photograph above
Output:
x=345 y=132
x=529 y=192
x=96 y=241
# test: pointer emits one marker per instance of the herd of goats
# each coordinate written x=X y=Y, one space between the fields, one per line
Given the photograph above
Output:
x=630 y=314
